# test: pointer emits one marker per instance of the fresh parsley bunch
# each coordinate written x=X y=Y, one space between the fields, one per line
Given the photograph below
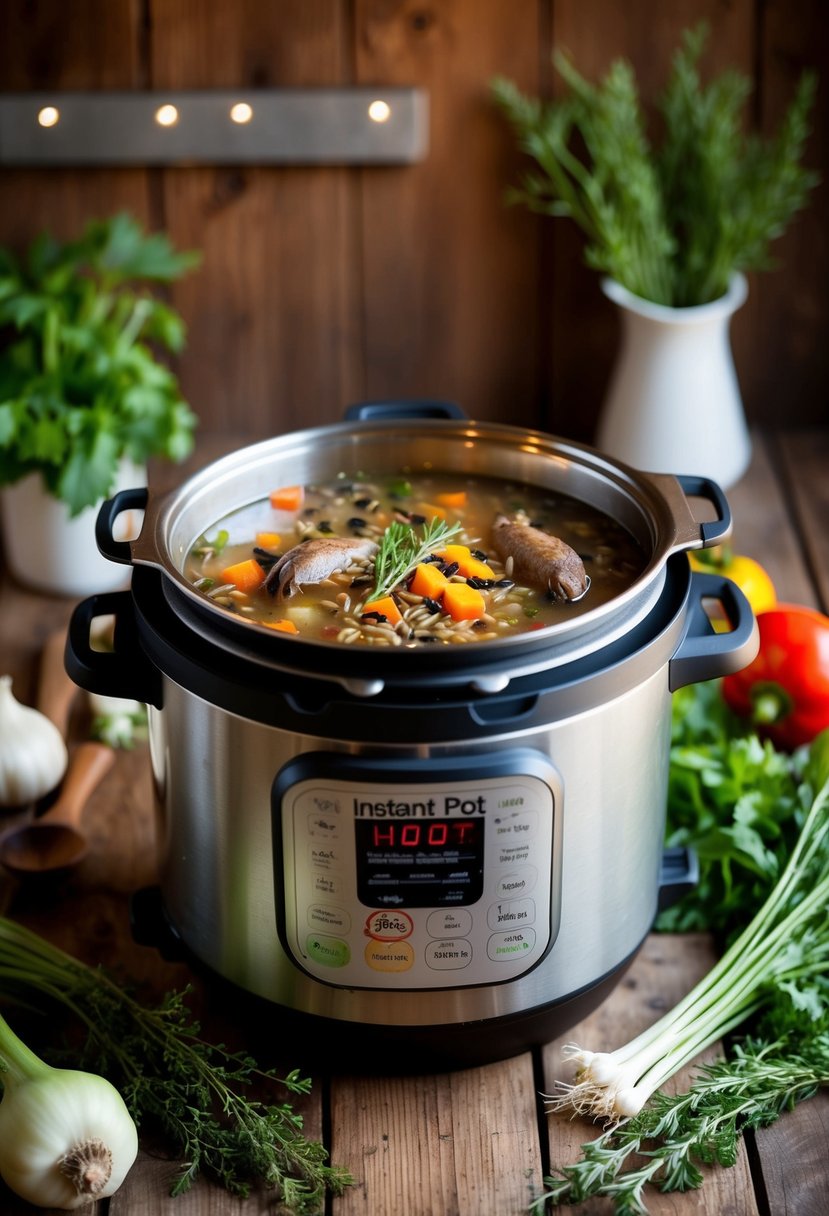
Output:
x=80 y=386
x=670 y=225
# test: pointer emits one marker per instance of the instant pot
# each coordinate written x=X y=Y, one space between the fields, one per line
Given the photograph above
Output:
x=440 y=855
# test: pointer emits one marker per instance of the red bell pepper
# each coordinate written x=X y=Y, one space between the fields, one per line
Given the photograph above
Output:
x=785 y=691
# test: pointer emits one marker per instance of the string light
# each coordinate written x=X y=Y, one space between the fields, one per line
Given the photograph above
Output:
x=48 y=116
x=166 y=116
x=379 y=111
x=241 y=112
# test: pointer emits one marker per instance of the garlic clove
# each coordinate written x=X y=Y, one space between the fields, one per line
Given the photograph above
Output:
x=33 y=755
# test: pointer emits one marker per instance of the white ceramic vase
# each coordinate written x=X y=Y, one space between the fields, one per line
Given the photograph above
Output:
x=674 y=403
x=46 y=550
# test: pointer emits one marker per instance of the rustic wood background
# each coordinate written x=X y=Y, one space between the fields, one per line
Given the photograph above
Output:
x=322 y=286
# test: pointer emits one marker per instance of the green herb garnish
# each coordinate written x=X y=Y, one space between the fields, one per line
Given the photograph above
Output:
x=402 y=549
x=196 y=1093
x=672 y=225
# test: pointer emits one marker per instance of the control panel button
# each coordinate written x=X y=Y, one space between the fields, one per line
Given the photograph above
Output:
x=449 y=922
x=324 y=857
x=389 y=926
x=519 y=881
x=322 y=826
x=326 y=916
x=511 y=914
x=326 y=884
x=516 y=826
x=389 y=956
x=505 y=947
x=448 y=955
x=329 y=951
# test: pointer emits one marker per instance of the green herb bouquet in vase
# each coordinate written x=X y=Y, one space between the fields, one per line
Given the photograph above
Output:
x=673 y=232
x=84 y=401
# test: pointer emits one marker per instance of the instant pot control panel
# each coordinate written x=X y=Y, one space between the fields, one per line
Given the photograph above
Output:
x=410 y=874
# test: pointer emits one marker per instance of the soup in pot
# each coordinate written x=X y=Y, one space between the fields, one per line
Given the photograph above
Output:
x=415 y=559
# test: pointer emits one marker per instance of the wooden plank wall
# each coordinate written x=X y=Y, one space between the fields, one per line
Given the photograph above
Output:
x=326 y=285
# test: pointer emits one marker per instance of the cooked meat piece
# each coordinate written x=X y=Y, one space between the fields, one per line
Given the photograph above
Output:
x=539 y=560
x=312 y=561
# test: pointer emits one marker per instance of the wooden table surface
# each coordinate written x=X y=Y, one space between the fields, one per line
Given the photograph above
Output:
x=475 y=1142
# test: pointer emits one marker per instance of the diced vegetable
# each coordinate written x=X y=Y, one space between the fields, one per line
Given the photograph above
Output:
x=430 y=511
x=282 y=625
x=288 y=498
x=268 y=540
x=468 y=565
x=247 y=575
x=428 y=581
x=385 y=607
x=455 y=499
x=462 y=602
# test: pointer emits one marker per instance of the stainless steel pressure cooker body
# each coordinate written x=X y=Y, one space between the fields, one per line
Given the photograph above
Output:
x=453 y=855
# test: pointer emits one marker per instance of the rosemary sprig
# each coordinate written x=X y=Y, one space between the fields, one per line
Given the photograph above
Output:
x=401 y=550
x=195 y=1093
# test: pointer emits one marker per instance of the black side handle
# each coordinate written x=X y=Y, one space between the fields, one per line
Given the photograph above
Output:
x=703 y=487
x=678 y=876
x=703 y=654
x=124 y=500
x=378 y=411
x=122 y=672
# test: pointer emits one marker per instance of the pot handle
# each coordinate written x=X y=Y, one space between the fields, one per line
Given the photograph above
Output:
x=703 y=654
x=380 y=411
x=703 y=487
x=124 y=500
x=123 y=672
x=678 y=875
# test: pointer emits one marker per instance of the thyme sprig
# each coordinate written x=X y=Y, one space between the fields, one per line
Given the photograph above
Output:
x=196 y=1094
x=402 y=549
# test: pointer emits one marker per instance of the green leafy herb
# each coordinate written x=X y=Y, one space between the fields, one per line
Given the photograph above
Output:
x=80 y=387
x=195 y=1093
x=736 y=801
x=670 y=226
x=402 y=549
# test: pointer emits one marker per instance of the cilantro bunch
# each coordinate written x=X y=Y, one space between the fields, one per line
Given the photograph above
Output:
x=670 y=224
x=80 y=384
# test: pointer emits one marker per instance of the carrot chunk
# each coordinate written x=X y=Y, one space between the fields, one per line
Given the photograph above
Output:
x=428 y=580
x=468 y=565
x=463 y=603
x=247 y=575
x=288 y=498
x=282 y=625
x=429 y=510
x=386 y=607
x=268 y=540
x=455 y=499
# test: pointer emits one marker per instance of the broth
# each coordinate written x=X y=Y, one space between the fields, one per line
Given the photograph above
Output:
x=466 y=588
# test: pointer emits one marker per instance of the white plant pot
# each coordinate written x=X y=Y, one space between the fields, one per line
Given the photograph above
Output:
x=47 y=551
x=674 y=404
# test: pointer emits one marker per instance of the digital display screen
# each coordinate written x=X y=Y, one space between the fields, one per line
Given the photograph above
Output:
x=419 y=863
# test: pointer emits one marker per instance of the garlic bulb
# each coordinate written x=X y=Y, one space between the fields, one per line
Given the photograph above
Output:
x=66 y=1137
x=33 y=755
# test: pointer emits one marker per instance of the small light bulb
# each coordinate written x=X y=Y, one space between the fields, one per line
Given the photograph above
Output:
x=379 y=111
x=166 y=116
x=241 y=112
x=48 y=116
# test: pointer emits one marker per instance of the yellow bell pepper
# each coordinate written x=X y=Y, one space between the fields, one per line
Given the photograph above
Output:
x=754 y=582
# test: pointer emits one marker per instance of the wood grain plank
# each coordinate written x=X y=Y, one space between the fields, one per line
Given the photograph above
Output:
x=666 y=969
x=762 y=524
x=274 y=325
x=805 y=463
x=452 y=278
x=92 y=44
x=459 y=1144
x=790 y=378
x=580 y=329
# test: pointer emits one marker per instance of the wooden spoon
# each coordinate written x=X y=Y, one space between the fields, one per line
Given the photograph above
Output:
x=55 y=841
x=55 y=690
